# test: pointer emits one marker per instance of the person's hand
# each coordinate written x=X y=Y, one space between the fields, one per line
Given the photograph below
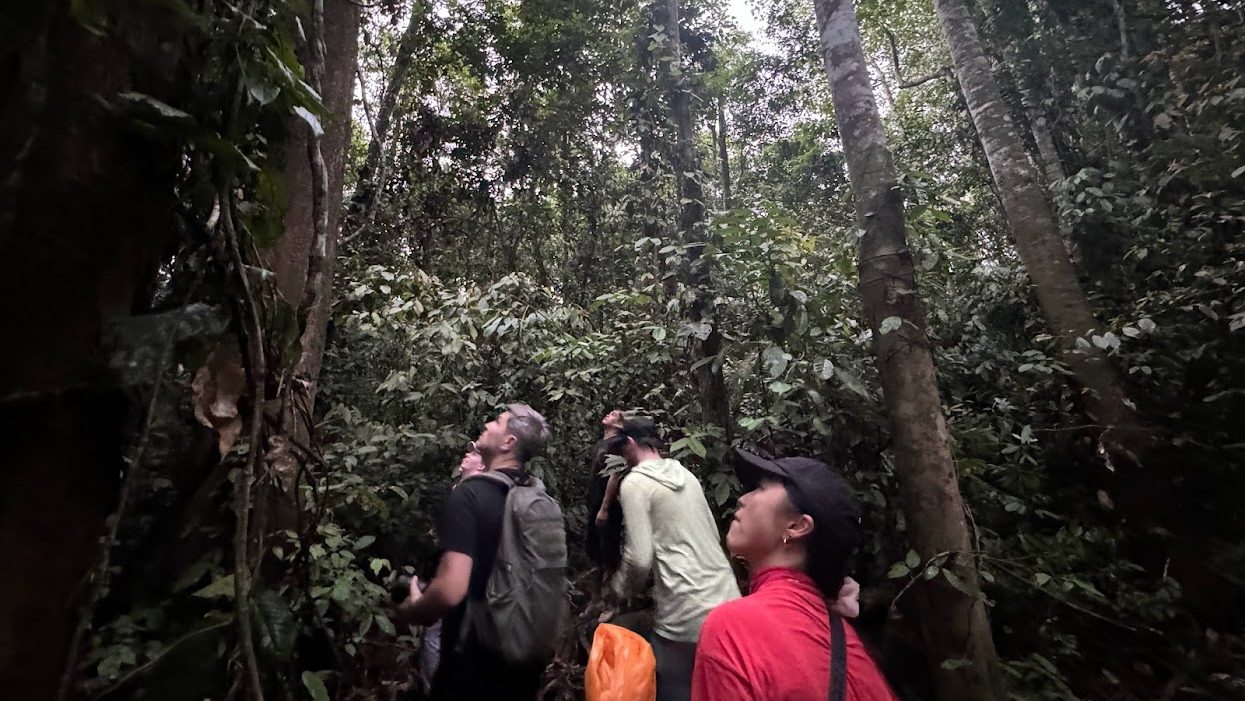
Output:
x=603 y=516
x=417 y=590
x=847 y=604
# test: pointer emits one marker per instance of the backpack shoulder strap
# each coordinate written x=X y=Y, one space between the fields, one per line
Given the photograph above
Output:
x=838 y=659
x=499 y=477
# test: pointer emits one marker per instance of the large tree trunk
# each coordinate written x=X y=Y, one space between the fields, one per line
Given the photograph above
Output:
x=953 y=622
x=86 y=210
x=304 y=257
x=714 y=399
x=292 y=257
x=1034 y=229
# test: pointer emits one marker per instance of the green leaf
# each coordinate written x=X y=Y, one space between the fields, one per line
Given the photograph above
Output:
x=776 y=360
x=262 y=92
x=827 y=369
x=851 y=382
x=315 y=686
x=955 y=581
x=889 y=324
x=364 y=541
x=779 y=387
x=220 y=588
x=1041 y=578
x=154 y=106
x=912 y=559
x=696 y=446
x=898 y=570
x=930 y=572
x=385 y=624
x=311 y=120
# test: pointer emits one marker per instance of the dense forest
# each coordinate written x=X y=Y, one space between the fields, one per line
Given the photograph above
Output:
x=268 y=265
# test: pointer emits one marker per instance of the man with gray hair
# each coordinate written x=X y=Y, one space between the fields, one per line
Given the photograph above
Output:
x=468 y=536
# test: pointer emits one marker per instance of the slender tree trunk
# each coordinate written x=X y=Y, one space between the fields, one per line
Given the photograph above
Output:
x=368 y=183
x=86 y=213
x=714 y=400
x=1059 y=293
x=1121 y=25
x=954 y=622
x=1048 y=153
x=724 y=160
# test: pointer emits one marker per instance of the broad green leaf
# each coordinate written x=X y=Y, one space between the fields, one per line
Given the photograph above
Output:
x=315 y=686
x=220 y=588
x=312 y=121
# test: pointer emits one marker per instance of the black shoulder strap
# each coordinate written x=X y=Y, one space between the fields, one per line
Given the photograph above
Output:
x=838 y=659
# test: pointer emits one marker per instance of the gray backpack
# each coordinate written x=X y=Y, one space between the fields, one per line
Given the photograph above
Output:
x=525 y=600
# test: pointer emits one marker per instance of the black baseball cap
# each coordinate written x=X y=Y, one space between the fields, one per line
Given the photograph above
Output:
x=817 y=490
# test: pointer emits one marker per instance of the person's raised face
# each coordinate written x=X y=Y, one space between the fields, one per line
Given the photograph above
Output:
x=472 y=464
x=495 y=439
x=763 y=518
x=612 y=422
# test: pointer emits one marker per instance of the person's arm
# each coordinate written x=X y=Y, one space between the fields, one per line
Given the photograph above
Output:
x=456 y=539
x=611 y=493
x=637 y=555
x=447 y=590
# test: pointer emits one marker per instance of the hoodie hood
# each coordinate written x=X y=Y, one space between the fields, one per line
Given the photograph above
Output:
x=665 y=471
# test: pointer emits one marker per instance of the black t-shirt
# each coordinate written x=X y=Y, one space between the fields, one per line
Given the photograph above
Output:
x=470 y=524
x=603 y=543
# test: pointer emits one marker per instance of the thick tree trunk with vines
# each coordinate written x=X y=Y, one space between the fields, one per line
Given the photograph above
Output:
x=300 y=249
x=304 y=257
x=1062 y=299
x=953 y=621
x=714 y=399
x=71 y=259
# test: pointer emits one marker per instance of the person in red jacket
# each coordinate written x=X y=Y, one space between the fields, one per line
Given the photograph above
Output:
x=796 y=527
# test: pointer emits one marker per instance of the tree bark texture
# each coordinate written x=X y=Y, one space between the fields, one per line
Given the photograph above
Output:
x=1048 y=153
x=1060 y=296
x=714 y=399
x=86 y=211
x=954 y=624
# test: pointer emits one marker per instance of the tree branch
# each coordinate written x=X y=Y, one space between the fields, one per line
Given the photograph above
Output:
x=942 y=72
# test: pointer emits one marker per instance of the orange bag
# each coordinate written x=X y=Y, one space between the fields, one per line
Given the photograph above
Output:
x=621 y=666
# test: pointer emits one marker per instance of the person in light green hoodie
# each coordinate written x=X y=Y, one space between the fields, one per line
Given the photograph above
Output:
x=671 y=532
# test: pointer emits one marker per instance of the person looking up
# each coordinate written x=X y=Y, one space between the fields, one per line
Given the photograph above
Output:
x=670 y=532
x=796 y=527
